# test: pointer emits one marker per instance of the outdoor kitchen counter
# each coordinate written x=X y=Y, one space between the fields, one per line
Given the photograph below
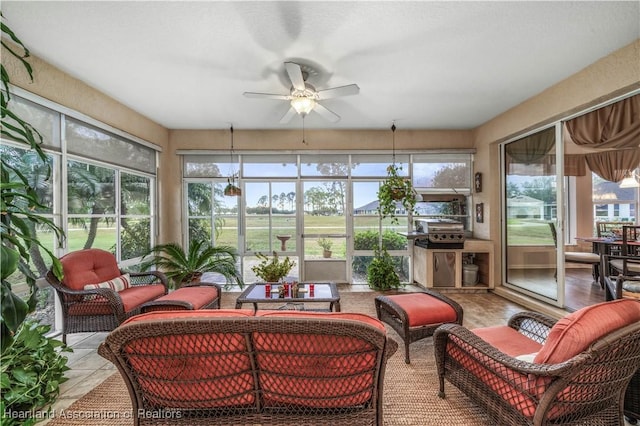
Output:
x=424 y=266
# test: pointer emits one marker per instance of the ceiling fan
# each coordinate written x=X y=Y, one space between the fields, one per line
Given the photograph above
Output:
x=304 y=98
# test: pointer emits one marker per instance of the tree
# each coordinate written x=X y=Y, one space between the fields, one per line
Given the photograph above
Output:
x=541 y=188
x=452 y=176
x=513 y=190
x=291 y=197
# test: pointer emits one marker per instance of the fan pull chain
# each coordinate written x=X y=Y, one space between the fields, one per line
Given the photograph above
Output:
x=303 y=141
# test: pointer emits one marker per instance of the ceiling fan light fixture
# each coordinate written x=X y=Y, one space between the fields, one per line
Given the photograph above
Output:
x=303 y=104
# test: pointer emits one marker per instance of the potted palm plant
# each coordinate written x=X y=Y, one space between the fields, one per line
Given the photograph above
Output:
x=274 y=269
x=393 y=191
x=185 y=267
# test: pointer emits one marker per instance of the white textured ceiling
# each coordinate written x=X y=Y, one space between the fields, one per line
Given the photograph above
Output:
x=426 y=65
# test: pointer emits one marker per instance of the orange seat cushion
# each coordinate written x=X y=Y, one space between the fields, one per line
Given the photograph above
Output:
x=196 y=296
x=203 y=313
x=507 y=340
x=327 y=315
x=575 y=332
x=423 y=309
x=132 y=298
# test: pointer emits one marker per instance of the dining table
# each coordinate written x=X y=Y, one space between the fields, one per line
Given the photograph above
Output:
x=605 y=246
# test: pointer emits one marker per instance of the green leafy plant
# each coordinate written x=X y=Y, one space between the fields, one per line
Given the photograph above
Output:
x=19 y=203
x=381 y=274
x=326 y=245
x=184 y=267
x=31 y=373
x=395 y=189
x=272 y=270
x=369 y=240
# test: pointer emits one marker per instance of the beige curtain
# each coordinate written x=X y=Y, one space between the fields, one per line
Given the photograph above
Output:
x=613 y=126
x=533 y=148
x=613 y=165
x=574 y=165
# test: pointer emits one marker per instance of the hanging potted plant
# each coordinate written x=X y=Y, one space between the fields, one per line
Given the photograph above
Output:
x=232 y=190
x=396 y=192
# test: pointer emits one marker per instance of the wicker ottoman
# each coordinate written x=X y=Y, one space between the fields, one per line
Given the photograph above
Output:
x=201 y=296
x=415 y=316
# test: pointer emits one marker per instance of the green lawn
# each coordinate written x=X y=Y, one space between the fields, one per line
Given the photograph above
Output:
x=528 y=232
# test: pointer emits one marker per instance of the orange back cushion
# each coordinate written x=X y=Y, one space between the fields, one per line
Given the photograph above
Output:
x=89 y=266
x=577 y=331
x=192 y=370
x=316 y=370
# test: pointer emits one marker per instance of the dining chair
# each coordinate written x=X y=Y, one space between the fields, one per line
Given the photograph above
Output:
x=628 y=261
x=586 y=258
x=607 y=229
x=610 y=230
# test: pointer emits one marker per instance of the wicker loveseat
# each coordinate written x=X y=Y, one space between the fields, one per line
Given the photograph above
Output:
x=97 y=296
x=537 y=371
x=234 y=367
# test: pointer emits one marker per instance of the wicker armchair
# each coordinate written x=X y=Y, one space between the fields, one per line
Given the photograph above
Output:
x=536 y=371
x=102 y=308
x=619 y=287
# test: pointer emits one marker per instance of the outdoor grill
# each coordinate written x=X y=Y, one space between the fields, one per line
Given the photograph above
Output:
x=440 y=233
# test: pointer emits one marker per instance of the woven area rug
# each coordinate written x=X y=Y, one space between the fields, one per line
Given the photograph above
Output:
x=410 y=392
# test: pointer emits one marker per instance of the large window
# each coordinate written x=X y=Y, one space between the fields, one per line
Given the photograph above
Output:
x=108 y=201
x=612 y=203
x=294 y=204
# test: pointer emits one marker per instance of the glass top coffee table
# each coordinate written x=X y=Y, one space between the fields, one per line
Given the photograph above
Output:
x=321 y=293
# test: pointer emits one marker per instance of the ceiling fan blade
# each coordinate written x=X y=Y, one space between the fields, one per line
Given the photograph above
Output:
x=288 y=115
x=266 y=95
x=350 y=89
x=295 y=75
x=326 y=113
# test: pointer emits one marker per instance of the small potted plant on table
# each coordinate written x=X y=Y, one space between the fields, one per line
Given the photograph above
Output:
x=274 y=269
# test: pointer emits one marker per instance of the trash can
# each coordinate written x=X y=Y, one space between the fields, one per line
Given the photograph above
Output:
x=469 y=274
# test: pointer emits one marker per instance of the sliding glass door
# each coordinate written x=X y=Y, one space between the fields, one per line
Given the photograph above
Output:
x=530 y=193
